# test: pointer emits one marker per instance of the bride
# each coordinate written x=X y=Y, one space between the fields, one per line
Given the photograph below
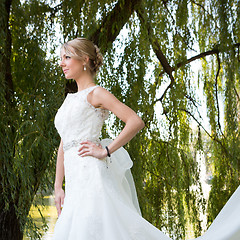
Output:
x=100 y=200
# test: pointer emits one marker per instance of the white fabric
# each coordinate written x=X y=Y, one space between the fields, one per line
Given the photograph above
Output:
x=100 y=196
x=226 y=226
x=120 y=170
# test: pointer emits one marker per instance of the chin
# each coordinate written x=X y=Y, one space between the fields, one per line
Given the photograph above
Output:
x=67 y=76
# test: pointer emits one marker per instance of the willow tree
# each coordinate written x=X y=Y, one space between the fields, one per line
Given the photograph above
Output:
x=148 y=47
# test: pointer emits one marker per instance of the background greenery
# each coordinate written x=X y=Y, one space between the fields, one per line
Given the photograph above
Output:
x=147 y=46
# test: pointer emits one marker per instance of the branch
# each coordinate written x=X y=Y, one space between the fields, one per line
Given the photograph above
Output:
x=194 y=102
x=183 y=39
x=235 y=90
x=216 y=93
x=212 y=137
x=209 y=14
x=190 y=114
x=113 y=23
x=199 y=56
x=156 y=48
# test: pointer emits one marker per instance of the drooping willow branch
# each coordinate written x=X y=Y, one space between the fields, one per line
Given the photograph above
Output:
x=183 y=39
x=235 y=90
x=162 y=58
x=199 y=56
x=156 y=47
x=212 y=137
x=208 y=13
x=194 y=102
x=216 y=93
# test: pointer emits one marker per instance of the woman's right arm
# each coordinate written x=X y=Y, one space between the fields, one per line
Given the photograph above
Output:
x=59 y=193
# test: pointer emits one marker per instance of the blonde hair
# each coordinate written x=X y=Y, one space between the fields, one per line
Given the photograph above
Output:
x=79 y=48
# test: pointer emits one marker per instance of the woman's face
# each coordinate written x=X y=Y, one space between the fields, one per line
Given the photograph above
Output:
x=71 y=67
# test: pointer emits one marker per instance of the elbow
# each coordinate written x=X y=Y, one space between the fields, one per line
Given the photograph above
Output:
x=141 y=124
x=136 y=123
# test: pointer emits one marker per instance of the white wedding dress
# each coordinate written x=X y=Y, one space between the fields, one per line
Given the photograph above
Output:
x=100 y=197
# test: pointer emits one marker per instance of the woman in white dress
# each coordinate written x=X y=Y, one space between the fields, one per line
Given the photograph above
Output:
x=100 y=200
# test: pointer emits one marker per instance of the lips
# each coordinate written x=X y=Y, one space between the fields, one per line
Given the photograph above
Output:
x=65 y=70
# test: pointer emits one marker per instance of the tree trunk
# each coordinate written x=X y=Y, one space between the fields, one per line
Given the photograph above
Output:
x=9 y=222
x=10 y=225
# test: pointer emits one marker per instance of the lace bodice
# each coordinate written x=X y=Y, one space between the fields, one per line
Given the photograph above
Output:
x=77 y=120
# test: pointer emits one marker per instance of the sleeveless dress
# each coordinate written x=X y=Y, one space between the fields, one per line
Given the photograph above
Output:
x=100 y=196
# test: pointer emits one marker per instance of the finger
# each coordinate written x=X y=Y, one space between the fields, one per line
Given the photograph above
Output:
x=59 y=212
x=62 y=201
x=58 y=208
x=86 y=154
x=84 y=150
x=84 y=146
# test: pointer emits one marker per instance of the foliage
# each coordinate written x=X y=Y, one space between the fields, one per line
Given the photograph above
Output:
x=147 y=48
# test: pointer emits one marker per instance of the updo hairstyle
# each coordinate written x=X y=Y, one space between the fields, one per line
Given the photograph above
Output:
x=78 y=48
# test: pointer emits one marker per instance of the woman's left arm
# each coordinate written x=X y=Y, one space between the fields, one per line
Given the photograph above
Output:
x=100 y=97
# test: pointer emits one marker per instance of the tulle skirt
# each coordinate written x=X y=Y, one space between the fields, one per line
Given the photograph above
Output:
x=101 y=203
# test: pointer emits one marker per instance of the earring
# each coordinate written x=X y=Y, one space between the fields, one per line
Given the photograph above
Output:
x=84 y=68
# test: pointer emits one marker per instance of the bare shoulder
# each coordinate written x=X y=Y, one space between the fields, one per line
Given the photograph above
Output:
x=99 y=96
x=98 y=91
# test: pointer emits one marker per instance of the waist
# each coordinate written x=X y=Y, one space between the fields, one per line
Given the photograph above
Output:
x=76 y=142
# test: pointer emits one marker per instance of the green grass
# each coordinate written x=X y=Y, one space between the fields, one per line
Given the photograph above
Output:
x=50 y=214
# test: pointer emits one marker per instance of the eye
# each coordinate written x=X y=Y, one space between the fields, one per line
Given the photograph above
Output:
x=67 y=57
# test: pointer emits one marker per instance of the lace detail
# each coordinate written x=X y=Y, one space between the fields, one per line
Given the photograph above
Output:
x=101 y=113
x=78 y=119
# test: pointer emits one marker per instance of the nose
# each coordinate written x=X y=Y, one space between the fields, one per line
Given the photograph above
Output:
x=61 y=63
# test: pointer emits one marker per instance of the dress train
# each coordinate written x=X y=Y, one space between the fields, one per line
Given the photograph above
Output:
x=226 y=226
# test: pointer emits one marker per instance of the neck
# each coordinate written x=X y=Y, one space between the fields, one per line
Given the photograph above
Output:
x=84 y=81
